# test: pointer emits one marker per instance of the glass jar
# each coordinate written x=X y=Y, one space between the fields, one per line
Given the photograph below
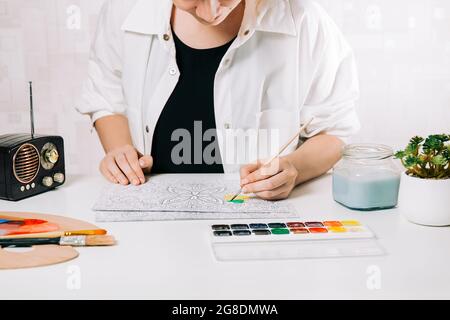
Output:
x=367 y=178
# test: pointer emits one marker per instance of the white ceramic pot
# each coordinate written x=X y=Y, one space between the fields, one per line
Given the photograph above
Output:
x=425 y=201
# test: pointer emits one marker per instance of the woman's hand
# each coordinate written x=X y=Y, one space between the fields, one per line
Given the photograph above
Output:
x=125 y=165
x=272 y=182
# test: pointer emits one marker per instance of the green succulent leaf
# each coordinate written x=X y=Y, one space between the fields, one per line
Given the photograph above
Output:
x=439 y=160
x=411 y=161
x=416 y=140
x=433 y=143
x=400 y=154
x=411 y=149
x=414 y=145
x=446 y=153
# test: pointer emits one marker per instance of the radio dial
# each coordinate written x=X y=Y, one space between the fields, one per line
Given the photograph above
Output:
x=58 y=177
x=52 y=155
x=49 y=155
x=47 y=181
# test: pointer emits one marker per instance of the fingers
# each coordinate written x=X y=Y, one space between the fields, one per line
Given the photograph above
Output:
x=133 y=161
x=249 y=168
x=106 y=173
x=264 y=172
x=267 y=184
x=124 y=165
x=272 y=182
x=275 y=194
x=246 y=170
x=113 y=169
x=146 y=163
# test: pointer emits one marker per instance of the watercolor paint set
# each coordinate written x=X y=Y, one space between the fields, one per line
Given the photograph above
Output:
x=293 y=240
x=282 y=231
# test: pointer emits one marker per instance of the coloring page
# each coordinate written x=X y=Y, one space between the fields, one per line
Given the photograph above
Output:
x=182 y=197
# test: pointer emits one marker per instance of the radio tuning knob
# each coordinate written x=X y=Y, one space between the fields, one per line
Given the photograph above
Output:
x=51 y=155
x=47 y=181
x=59 y=177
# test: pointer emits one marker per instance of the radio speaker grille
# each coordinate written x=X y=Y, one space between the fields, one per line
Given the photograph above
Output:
x=26 y=163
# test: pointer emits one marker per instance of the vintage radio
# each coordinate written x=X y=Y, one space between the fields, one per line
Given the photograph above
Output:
x=30 y=164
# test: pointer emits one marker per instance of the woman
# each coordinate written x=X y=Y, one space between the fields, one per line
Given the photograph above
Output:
x=174 y=84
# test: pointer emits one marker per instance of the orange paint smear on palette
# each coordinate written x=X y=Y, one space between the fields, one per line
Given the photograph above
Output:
x=16 y=226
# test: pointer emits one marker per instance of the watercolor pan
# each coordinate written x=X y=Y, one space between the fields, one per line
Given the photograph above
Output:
x=221 y=227
x=257 y=226
x=291 y=231
x=295 y=225
x=277 y=225
x=262 y=232
x=332 y=224
x=239 y=227
x=241 y=233
x=314 y=224
x=222 y=233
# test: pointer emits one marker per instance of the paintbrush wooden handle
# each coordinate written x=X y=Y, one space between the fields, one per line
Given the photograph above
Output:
x=287 y=144
x=284 y=147
x=56 y=234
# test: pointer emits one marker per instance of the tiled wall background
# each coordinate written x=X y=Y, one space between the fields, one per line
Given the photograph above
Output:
x=402 y=47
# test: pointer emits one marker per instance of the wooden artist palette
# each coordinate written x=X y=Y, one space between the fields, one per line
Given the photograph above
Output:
x=38 y=256
x=42 y=255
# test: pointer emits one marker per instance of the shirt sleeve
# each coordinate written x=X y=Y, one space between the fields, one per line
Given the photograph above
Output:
x=333 y=88
x=102 y=93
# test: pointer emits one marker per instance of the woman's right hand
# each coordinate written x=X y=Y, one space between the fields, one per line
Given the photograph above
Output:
x=126 y=165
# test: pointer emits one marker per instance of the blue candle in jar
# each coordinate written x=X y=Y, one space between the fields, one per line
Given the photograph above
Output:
x=366 y=178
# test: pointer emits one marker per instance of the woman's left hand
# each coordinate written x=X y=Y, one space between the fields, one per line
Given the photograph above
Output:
x=272 y=182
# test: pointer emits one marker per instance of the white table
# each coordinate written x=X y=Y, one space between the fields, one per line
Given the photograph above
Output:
x=151 y=263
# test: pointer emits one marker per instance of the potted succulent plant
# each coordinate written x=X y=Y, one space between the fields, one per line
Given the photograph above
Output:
x=425 y=188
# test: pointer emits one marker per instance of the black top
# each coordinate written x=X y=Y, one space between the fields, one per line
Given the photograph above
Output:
x=179 y=144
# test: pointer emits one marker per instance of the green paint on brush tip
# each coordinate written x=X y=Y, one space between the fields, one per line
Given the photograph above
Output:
x=236 y=201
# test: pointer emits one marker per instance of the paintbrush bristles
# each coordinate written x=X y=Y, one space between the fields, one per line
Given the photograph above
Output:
x=105 y=240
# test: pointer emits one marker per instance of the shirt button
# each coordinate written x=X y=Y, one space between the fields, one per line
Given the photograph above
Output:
x=172 y=71
x=166 y=37
x=227 y=126
x=147 y=129
x=246 y=32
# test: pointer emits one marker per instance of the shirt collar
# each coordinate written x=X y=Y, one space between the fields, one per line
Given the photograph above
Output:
x=153 y=17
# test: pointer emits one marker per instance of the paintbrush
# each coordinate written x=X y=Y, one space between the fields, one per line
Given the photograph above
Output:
x=76 y=241
x=284 y=147
x=55 y=234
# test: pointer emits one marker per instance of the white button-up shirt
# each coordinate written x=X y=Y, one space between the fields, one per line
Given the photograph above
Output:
x=288 y=63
